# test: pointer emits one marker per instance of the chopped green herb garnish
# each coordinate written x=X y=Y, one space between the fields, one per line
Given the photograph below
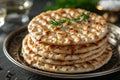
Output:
x=83 y=17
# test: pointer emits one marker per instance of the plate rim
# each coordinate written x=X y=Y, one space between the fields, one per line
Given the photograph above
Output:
x=51 y=74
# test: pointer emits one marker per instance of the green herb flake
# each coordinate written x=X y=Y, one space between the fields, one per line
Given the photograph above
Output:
x=53 y=22
x=68 y=20
x=76 y=19
x=62 y=21
x=20 y=52
x=85 y=16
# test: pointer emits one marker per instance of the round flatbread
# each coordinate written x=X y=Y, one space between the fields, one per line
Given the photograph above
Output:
x=48 y=54
x=59 y=62
x=74 y=68
x=68 y=27
x=36 y=46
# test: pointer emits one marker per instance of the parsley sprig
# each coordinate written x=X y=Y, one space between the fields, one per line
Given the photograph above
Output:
x=82 y=18
x=57 y=23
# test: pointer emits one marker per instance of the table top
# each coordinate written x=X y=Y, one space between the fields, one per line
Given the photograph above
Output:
x=9 y=71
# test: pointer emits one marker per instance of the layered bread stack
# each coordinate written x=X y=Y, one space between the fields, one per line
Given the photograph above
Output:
x=67 y=41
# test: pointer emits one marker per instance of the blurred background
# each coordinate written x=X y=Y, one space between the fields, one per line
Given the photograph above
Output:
x=18 y=13
x=109 y=9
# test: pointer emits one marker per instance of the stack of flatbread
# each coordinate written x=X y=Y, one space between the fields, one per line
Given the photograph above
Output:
x=67 y=41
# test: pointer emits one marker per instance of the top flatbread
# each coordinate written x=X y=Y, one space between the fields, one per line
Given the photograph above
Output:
x=68 y=27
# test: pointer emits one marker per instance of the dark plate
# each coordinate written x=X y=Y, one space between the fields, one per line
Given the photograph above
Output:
x=13 y=42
